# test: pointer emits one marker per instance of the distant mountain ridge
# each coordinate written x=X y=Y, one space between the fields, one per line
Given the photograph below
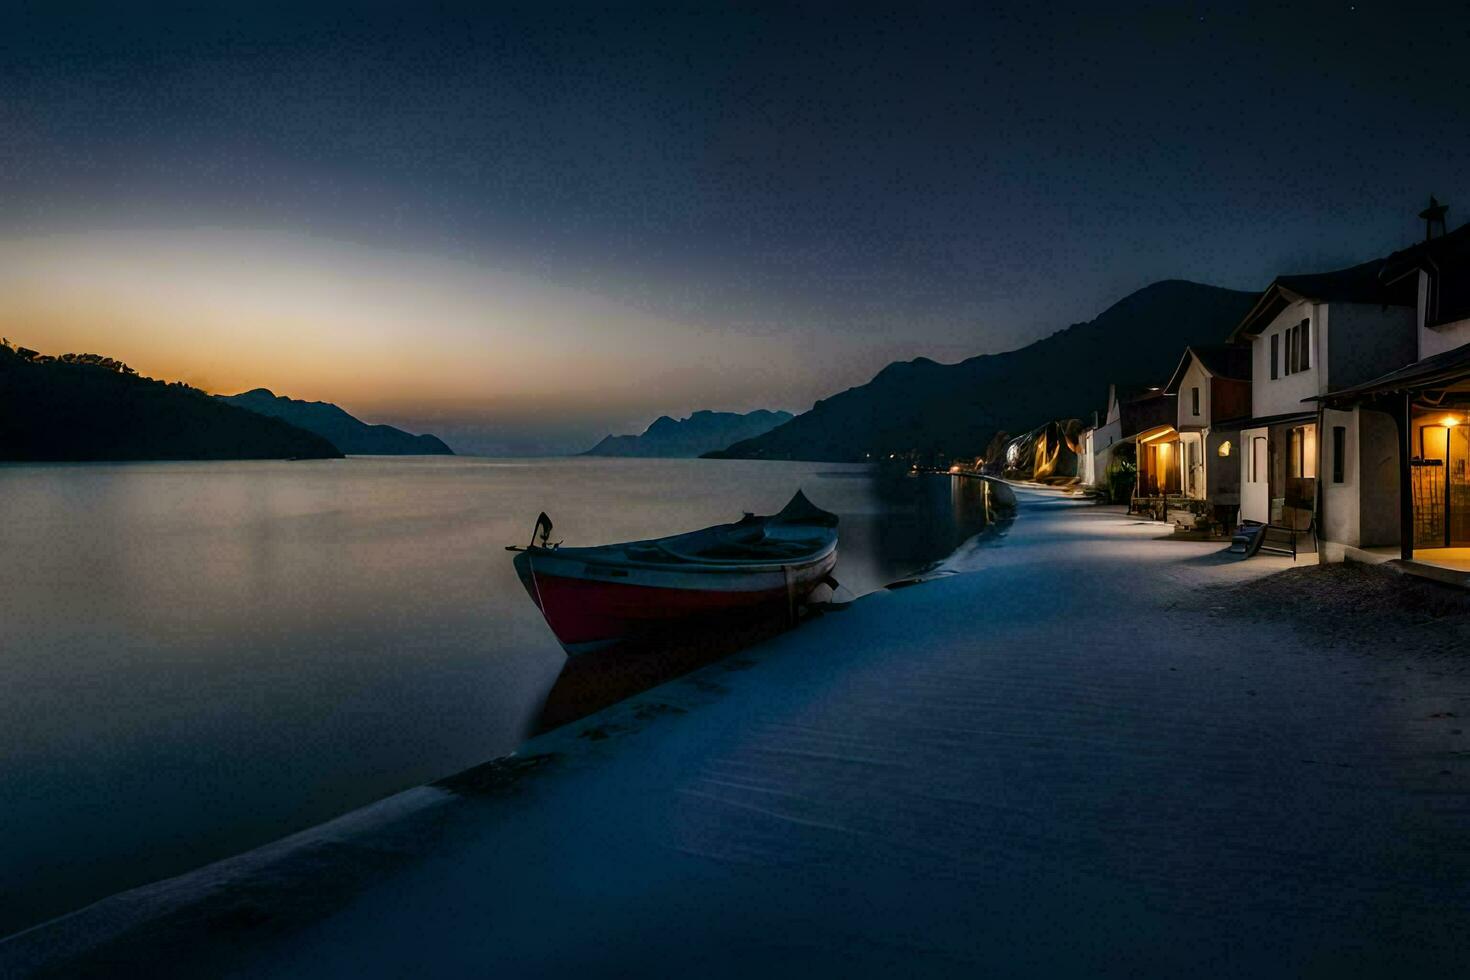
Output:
x=349 y=434
x=90 y=408
x=955 y=409
x=702 y=432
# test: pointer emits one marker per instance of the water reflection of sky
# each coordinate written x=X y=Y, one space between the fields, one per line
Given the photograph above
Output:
x=203 y=657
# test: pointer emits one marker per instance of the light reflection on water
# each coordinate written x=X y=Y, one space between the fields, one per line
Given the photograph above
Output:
x=201 y=657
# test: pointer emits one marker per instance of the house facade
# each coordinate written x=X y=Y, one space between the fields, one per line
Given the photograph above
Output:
x=1104 y=437
x=1309 y=336
x=1147 y=421
x=1407 y=431
x=1100 y=444
x=1212 y=393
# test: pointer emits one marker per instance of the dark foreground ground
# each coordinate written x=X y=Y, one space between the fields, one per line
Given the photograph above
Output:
x=1359 y=607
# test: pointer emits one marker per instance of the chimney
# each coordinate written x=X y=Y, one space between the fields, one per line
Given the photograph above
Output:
x=1433 y=216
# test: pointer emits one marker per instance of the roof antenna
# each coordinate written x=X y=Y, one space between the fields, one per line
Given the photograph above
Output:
x=1433 y=216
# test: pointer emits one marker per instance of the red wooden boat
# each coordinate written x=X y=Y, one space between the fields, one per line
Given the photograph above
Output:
x=597 y=597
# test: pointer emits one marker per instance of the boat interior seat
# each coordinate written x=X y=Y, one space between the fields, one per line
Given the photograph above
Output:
x=737 y=544
x=756 y=551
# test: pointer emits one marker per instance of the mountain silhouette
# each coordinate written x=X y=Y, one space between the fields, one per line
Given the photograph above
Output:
x=699 y=433
x=348 y=433
x=85 y=407
x=955 y=409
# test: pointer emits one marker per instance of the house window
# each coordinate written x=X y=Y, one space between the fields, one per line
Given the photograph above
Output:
x=1339 y=451
x=1275 y=354
x=1194 y=400
x=1298 y=340
x=1302 y=452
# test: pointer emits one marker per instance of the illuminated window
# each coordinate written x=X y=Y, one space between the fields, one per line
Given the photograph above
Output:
x=1302 y=452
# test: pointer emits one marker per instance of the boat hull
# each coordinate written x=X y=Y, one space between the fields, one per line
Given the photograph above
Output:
x=592 y=605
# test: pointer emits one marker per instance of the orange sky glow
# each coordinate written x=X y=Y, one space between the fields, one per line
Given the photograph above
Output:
x=374 y=330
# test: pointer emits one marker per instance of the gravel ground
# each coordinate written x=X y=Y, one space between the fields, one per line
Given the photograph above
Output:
x=1350 y=605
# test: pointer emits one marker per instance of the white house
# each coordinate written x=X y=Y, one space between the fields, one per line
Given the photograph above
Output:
x=1098 y=442
x=1405 y=435
x=1309 y=336
x=1131 y=408
x=1212 y=385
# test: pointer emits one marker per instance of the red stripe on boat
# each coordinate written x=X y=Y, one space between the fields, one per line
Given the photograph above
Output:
x=586 y=611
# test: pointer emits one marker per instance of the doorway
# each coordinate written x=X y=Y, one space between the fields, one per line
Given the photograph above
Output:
x=1448 y=445
x=1293 y=476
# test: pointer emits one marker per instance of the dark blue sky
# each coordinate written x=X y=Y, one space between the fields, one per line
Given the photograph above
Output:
x=939 y=181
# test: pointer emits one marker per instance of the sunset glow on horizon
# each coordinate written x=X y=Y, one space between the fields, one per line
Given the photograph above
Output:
x=378 y=331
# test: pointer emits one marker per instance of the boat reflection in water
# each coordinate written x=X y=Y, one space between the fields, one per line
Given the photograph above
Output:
x=654 y=610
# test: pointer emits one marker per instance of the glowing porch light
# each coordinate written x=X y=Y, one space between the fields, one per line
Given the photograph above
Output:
x=1224 y=449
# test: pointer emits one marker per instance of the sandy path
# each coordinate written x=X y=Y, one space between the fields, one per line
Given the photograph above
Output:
x=1055 y=764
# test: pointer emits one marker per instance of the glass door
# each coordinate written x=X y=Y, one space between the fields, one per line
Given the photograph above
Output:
x=1300 y=497
x=1458 y=486
x=1431 y=495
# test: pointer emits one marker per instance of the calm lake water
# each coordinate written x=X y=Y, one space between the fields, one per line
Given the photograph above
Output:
x=202 y=657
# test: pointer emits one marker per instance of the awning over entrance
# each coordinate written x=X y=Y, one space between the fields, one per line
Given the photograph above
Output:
x=1158 y=462
x=1157 y=432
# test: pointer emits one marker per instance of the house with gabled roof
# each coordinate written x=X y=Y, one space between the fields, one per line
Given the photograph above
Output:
x=1212 y=393
x=1311 y=335
x=1146 y=421
x=1105 y=433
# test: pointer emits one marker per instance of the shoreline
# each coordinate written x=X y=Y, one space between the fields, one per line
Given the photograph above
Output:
x=146 y=905
x=963 y=743
x=295 y=643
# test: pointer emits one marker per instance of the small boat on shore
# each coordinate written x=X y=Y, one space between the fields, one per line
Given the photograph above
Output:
x=600 y=596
